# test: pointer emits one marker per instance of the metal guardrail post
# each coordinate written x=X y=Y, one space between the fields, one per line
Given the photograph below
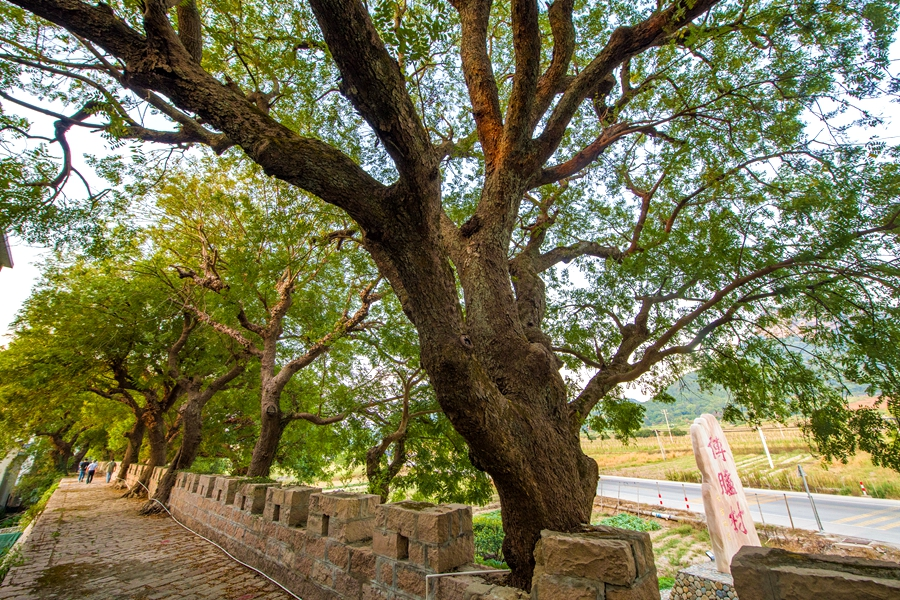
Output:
x=788 y=507
x=811 y=501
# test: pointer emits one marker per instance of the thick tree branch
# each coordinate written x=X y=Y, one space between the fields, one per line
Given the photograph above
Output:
x=563 y=30
x=479 y=75
x=624 y=43
x=229 y=331
x=527 y=46
x=373 y=82
x=344 y=326
x=589 y=154
x=161 y=63
x=565 y=254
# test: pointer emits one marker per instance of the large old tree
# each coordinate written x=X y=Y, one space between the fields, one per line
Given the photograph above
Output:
x=675 y=152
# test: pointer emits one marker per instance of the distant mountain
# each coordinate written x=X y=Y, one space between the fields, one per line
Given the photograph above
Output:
x=690 y=403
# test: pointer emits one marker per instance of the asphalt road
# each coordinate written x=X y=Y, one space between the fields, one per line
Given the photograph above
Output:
x=862 y=517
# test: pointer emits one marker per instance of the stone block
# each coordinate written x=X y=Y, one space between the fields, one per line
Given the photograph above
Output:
x=289 y=506
x=775 y=574
x=641 y=546
x=455 y=553
x=599 y=558
x=384 y=571
x=349 y=532
x=362 y=563
x=344 y=505
x=206 y=483
x=251 y=497
x=558 y=587
x=317 y=524
x=346 y=585
x=225 y=489
x=192 y=482
x=437 y=537
x=645 y=588
x=411 y=579
x=337 y=554
x=391 y=544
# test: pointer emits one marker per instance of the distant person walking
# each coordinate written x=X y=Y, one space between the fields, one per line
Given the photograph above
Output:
x=110 y=469
x=82 y=469
x=90 y=471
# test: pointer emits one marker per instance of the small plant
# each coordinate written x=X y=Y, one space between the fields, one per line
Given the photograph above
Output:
x=666 y=583
x=489 y=535
x=626 y=521
x=9 y=558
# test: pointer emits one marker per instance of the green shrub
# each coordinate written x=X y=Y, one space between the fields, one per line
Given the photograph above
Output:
x=38 y=507
x=210 y=466
x=488 y=529
x=666 y=583
x=626 y=521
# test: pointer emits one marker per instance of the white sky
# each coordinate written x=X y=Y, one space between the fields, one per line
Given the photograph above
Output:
x=16 y=283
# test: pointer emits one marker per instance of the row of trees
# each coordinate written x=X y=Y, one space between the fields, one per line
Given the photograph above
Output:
x=626 y=190
x=227 y=296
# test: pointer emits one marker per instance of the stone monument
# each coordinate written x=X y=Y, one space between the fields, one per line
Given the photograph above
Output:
x=727 y=512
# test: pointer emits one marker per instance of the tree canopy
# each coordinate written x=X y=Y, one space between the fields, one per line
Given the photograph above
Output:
x=691 y=162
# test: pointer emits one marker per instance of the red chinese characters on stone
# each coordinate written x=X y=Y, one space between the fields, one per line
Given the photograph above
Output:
x=737 y=521
x=726 y=485
x=718 y=451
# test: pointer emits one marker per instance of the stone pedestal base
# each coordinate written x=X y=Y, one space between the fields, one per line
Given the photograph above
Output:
x=703 y=582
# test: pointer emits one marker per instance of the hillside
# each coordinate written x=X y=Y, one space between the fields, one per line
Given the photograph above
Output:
x=691 y=402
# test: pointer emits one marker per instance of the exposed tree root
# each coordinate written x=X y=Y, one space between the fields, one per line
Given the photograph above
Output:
x=151 y=507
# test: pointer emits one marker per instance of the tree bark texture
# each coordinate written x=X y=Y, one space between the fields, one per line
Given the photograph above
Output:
x=79 y=456
x=271 y=428
x=191 y=416
x=155 y=426
x=132 y=451
x=184 y=457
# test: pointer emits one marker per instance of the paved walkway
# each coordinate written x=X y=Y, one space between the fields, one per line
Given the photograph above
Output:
x=91 y=544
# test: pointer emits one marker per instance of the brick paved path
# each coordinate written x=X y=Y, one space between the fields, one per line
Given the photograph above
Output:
x=91 y=544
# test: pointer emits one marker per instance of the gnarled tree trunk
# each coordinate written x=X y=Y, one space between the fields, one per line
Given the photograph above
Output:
x=271 y=428
x=132 y=451
x=156 y=438
x=191 y=415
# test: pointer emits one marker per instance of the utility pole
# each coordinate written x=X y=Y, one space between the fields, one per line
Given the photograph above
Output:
x=659 y=439
x=666 y=415
x=762 y=437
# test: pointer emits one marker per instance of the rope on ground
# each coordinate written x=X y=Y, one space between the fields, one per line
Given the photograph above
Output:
x=227 y=553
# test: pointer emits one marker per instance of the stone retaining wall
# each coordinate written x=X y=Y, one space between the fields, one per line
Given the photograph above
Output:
x=329 y=546
x=703 y=581
x=136 y=472
x=775 y=574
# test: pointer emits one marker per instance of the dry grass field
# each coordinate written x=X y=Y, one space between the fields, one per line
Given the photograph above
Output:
x=642 y=458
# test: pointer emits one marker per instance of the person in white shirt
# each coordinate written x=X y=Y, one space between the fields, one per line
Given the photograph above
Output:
x=90 y=471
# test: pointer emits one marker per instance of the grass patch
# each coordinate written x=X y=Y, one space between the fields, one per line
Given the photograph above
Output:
x=626 y=521
x=666 y=583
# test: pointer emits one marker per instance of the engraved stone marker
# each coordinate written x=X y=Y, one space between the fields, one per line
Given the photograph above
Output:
x=727 y=512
